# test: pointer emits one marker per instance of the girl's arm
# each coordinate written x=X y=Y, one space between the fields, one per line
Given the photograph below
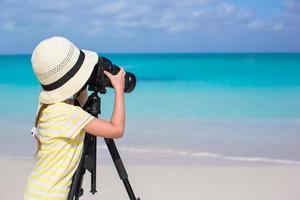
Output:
x=115 y=127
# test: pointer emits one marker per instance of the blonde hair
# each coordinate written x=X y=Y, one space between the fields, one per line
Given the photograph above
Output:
x=43 y=106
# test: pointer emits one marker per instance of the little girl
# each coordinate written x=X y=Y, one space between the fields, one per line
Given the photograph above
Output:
x=63 y=70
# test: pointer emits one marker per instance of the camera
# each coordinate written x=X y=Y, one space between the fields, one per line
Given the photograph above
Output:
x=98 y=81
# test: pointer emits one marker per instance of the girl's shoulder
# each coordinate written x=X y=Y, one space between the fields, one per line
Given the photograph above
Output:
x=63 y=107
x=59 y=107
x=60 y=104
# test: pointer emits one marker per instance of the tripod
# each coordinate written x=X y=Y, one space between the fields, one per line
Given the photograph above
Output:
x=88 y=158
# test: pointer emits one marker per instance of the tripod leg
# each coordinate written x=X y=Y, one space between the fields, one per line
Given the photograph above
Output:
x=120 y=167
x=75 y=189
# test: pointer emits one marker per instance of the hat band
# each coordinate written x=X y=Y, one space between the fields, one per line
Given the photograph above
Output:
x=67 y=76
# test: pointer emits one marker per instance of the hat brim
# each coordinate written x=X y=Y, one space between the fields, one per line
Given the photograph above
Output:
x=74 y=84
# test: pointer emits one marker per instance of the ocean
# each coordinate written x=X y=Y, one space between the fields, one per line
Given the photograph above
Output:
x=231 y=108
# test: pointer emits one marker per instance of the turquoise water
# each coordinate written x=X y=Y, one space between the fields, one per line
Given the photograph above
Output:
x=244 y=105
x=182 y=85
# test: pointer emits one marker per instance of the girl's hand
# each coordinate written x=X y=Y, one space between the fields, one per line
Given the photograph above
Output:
x=118 y=80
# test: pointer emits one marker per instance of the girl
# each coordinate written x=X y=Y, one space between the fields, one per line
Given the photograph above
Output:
x=63 y=70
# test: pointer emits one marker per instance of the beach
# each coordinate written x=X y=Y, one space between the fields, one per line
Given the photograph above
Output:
x=213 y=111
x=181 y=168
x=198 y=126
x=275 y=182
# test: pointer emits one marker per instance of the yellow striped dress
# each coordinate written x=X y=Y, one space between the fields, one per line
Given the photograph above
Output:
x=61 y=136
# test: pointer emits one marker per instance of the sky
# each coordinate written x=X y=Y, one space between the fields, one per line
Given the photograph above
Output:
x=139 y=26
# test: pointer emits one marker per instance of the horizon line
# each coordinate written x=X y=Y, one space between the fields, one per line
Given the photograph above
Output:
x=200 y=52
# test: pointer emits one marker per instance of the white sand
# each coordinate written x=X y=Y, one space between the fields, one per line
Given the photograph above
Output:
x=277 y=182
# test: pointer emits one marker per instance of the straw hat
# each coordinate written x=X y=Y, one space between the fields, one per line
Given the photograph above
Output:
x=61 y=68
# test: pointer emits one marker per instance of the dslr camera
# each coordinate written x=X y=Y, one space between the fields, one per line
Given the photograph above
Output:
x=98 y=81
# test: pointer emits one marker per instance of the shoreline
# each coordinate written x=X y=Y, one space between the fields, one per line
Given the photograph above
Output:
x=196 y=142
x=152 y=156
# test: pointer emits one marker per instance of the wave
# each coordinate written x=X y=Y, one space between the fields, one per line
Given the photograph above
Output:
x=204 y=155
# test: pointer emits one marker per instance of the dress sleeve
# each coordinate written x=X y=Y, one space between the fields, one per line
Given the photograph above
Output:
x=77 y=120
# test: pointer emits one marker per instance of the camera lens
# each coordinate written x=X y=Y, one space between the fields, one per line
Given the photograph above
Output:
x=130 y=79
x=130 y=82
